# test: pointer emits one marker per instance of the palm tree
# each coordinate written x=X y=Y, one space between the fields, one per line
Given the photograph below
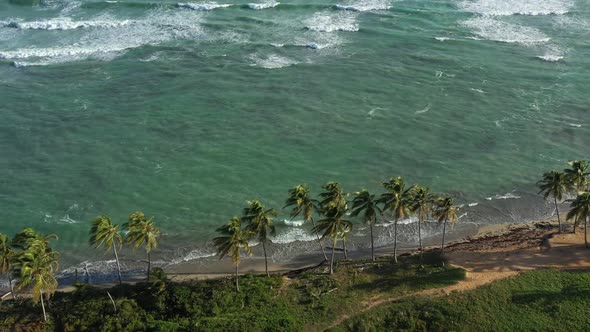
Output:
x=6 y=258
x=300 y=200
x=580 y=208
x=367 y=204
x=554 y=184
x=445 y=211
x=34 y=267
x=232 y=242
x=142 y=232
x=27 y=236
x=260 y=225
x=104 y=232
x=578 y=174
x=422 y=203
x=333 y=207
x=397 y=200
x=577 y=178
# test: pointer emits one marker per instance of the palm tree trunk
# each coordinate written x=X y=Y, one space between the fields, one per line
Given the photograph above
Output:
x=558 y=218
x=586 y=231
x=237 y=278
x=344 y=247
x=265 y=258
x=395 y=240
x=442 y=246
x=11 y=286
x=319 y=240
x=420 y=241
x=118 y=265
x=372 y=244
x=333 y=252
x=43 y=306
x=149 y=266
x=575 y=224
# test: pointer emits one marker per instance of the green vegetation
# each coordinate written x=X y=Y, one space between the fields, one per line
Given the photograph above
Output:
x=260 y=225
x=555 y=184
x=548 y=300
x=397 y=200
x=366 y=203
x=310 y=300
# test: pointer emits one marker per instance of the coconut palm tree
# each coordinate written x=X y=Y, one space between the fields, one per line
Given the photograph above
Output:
x=422 y=202
x=141 y=231
x=232 y=242
x=103 y=232
x=580 y=209
x=333 y=207
x=445 y=211
x=302 y=203
x=578 y=173
x=34 y=267
x=27 y=236
x=577 y=178
x=260 y=225
x=554 y=184
x=6 y=258
x=333 y=203
x=365 y=203
x=397 y=201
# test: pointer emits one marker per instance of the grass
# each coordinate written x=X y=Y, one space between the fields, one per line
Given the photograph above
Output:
x=309 y=301
x=545 y=300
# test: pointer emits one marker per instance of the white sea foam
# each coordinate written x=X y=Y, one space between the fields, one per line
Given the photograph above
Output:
x=330 y=22
x=64 y=23
x=192 y=255
x=272 y=61
x=575 y=125
x=205 y=6
x=491 y=29
x=550 y=57
x=442 y=39
x=505 y=196
x=472 y=204
x=294 y=223
x=106 y=44
x=264 y=5
x=365 y=5
x=293 y=234
x=518 y=7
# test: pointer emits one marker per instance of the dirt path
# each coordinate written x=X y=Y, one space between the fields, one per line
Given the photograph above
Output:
x=495 y=262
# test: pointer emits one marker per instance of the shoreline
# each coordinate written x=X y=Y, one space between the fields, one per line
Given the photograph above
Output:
x=205 y=269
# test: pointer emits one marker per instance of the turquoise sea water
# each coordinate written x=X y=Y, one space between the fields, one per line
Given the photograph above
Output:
x=185 y=111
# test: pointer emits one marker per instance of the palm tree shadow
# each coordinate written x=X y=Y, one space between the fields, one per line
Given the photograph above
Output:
x=409 y=275
x=550 y=299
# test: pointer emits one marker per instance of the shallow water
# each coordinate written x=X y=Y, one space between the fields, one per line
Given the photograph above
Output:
x=185 y=111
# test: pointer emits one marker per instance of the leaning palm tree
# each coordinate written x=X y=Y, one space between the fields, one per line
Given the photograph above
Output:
x=554 y=184
x=333 y=203
x=578 y=174
x=333 y=208
x=260 y=225
x=445 y=211
x=142 y=232
x=397 y=200
x=6 y=259
x=422 y=203
x=577 y=178
x=365 y=203
x=302 y=203
x=27 y=236
x=333 y=226
x=233 y=241
x=103 y=232
x=34 y=268
x=580 y=209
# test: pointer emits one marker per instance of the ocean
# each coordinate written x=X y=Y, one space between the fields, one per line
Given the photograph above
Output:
x=188 y=110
